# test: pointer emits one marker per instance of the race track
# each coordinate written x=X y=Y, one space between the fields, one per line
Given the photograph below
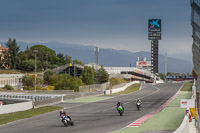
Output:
x=97 y=117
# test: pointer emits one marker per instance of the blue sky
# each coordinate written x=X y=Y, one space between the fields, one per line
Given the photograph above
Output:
x=117 y=24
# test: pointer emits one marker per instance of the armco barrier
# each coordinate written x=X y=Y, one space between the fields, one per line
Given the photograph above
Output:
x=16 y=107
x=47 y=102
x=56 y=100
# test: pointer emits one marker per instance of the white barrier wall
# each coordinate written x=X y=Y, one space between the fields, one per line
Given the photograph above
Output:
x=15 y=107
x=121 y=88
x=184 y=127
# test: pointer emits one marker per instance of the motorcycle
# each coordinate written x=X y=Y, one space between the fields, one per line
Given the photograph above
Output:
x=66 y=121
x=120 y=109
x=138 y=105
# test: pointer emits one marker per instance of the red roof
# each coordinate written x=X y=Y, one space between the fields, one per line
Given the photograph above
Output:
x=3 y=48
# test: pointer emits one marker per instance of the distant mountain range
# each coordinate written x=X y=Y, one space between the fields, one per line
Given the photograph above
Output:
x=111 y=57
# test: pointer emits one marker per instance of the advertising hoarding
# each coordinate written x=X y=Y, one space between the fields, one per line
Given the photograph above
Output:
x=154 y=25
x=154 y=29
x=187 y=103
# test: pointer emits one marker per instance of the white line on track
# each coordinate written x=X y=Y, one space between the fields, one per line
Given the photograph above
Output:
x=132 y=99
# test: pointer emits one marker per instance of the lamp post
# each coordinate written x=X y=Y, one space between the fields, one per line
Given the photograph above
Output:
x=35 y=51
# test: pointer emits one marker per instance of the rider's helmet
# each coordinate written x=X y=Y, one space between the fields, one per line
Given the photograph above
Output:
x=61 y=111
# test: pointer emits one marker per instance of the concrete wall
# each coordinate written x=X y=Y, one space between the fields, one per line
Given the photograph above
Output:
x=186 y=126
x=16 y=107
x=94 y=87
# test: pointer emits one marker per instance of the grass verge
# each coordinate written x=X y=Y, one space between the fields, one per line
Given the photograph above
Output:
x=169 y=118
x=116 y=81
x=89 y=99
x=5 y=118
x=187 y=87
x=183 y=95
x=130 y=89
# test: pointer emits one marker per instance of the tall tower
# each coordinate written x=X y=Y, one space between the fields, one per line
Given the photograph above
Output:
x=154 y=34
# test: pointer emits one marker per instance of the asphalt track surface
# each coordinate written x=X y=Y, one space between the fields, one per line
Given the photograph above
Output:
x=97 y=117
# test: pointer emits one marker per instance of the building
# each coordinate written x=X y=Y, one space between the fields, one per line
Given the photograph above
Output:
x=93 y=65
x=143 y=64
x=195 y=22
x=2 y=49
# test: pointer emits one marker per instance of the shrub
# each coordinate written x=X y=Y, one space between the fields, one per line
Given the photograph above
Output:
x=49 y=88
x=8 y=87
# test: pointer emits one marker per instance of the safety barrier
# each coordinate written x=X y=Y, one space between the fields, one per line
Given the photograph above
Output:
x=184 y=127
x=40 y=100
x=16 y=107
x=34 y=96
x=62 y=98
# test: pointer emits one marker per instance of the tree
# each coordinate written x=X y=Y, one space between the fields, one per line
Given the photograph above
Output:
x=13 y=51
x=65 y=82
x=1 y=60
x=6 y=61
x=102 y=76
x=47 y=75
x=21 y=58
x=42 y=55
x=61 y=59
x=87 y=75
x=29 y=82
x=78 y=62
x=68 y=59
x=162 y=76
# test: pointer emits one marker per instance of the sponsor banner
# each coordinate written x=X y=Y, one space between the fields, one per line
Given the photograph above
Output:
x=154 y=25
x=187 y=103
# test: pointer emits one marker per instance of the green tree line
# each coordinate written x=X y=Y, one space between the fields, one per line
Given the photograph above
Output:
x=25 y=60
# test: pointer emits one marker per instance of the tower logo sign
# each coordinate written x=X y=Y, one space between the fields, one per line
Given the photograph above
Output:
x=154 y=25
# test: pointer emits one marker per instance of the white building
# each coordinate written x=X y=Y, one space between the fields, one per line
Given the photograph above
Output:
x=143 y=64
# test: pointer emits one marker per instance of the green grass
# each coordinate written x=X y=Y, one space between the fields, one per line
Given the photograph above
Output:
x=130 y=89
x=88 y=99
x=5 y=118
x=9 y=71
x=169 y=118
x=116 y=81
x=176 y=101
x=187 y=87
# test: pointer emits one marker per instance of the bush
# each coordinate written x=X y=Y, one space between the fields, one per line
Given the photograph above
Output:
x=8 y=87
x=28 y=88
x=65 y=82
x=49 y=88
x=116 y=81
